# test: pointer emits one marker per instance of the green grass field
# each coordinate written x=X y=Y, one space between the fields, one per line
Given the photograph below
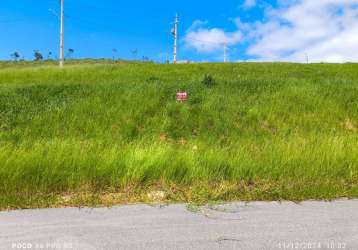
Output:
x=108 y=133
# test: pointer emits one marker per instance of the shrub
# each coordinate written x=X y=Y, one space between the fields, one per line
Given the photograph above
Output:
x=208 y=80
x=152 y=79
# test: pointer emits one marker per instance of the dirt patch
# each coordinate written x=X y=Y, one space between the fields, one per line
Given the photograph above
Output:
x=348 y=124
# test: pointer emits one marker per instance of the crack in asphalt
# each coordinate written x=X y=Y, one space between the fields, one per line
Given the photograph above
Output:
x=222 y=239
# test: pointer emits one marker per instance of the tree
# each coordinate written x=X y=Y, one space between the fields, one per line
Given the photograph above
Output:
x=70 y=52
x=15 y=55
x=38 y=56
x=134 y=53
x=114 y=51
x=49 y=55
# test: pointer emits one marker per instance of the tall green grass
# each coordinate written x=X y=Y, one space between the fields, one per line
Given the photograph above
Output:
x=263 y=131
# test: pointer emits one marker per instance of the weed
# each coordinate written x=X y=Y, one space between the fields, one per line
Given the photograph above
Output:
x=278 y=132
x=208 y=80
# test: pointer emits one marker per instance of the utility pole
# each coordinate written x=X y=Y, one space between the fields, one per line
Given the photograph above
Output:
x=307 y=60
x=225 y=52
x=62 y=52
x=175 y=34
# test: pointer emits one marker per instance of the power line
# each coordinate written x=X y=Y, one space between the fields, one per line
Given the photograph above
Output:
x=62 y=16
x=202 y=41
x=13 y=21
x=98 y=26
x=224 y=44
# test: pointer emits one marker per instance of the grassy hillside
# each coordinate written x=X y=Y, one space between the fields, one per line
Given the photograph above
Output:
x=110 y=133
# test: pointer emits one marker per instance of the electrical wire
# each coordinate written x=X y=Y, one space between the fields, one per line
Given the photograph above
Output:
x=13 y=21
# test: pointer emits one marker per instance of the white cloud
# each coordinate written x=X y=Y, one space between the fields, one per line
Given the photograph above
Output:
x=197 y=24
x=325 y=30
x=210 y=40
x=248 y=4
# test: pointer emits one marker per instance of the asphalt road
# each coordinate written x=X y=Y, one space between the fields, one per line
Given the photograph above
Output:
x=258 y=225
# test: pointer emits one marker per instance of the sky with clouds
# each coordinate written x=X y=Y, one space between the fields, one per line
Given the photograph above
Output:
x=253 y=30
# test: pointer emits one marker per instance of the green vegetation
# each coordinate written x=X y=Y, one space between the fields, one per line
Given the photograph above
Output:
x=113 y=132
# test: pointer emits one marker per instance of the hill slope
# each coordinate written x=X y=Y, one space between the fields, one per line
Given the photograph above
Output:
x=112 y=133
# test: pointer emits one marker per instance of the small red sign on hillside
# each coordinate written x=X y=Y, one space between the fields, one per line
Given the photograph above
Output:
x=182 y=96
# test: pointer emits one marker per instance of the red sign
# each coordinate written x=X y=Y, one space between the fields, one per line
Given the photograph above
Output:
x=182 y=96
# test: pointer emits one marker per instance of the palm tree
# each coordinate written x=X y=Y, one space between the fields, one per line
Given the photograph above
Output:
x=15 y=55
x=134 y=53
x=49 y=55
x=38 y=56
x=70 y=52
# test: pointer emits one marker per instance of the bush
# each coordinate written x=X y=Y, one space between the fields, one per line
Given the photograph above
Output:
x=208 y=80
x=152 y=79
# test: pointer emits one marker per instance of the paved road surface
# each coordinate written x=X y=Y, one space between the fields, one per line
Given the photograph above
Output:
x=310 y=225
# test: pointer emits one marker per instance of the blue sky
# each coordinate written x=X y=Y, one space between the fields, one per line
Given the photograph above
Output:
x=94 y=27
x=274 y=30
